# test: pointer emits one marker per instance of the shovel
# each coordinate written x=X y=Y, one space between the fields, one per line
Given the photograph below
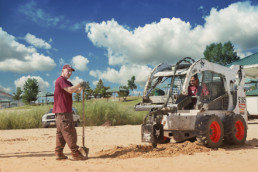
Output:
x=84 y=151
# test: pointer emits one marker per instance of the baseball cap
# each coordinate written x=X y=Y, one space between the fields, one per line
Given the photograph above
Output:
x=68 y=67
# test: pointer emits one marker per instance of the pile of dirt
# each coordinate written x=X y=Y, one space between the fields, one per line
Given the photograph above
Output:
x=13 y=140
x=147 y=151
x=252 y=143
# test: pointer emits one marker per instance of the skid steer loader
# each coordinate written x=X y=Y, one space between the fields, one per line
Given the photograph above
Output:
x=211 y=118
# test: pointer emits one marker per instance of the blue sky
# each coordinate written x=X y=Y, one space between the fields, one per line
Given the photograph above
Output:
x=114 y=40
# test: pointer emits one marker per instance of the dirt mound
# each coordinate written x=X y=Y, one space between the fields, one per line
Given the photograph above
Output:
x=147 y=151
x=13 y=140
x=107 y=123
x=253 y=142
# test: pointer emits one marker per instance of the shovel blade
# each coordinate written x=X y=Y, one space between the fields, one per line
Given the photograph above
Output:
x=84 y=151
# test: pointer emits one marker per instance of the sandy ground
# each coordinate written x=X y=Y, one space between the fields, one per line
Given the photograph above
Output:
x=120 y=149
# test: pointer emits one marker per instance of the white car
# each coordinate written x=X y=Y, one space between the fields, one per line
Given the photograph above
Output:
x=49 y=119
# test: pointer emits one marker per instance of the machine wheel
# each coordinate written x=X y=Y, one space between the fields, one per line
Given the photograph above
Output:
x=235 y=129
x=210 y=131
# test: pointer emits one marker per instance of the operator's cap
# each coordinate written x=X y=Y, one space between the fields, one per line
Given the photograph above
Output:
x=68 y=67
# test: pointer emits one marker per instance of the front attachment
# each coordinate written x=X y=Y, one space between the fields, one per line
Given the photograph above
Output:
x=152 y=133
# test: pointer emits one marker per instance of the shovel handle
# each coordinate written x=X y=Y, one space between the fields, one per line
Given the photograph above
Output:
x=83 y=117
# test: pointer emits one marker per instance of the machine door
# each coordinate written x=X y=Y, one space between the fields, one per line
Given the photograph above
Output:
x=213 y=91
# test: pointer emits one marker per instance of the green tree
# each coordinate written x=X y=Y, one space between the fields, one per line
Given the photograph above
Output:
x=18 y=95
x=98 y=88
x=91 y=92
x=30 y=91
x=100 y=84
x=77 y=97
x=221 y=54
x=87 y=90
x=131 y=83
x=124 y=93
x=101 y=89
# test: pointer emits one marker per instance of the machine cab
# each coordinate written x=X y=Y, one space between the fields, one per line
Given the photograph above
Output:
x=173 y=87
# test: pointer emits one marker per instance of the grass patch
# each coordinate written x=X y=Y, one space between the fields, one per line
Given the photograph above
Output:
x=97 y=112
x=22 y=118
x=100 y=111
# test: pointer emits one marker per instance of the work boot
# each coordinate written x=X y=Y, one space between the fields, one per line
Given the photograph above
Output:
x=78 y=156
x=60 y=156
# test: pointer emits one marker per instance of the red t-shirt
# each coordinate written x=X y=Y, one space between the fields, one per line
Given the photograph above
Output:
x=192 y=90
x=63 y=100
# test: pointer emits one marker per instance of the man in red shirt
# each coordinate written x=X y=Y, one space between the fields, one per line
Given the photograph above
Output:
x=66 y=132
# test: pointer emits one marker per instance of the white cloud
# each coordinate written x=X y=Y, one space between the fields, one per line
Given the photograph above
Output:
x=9 y=48
x=37 y=42
x=46 y=18
x=94 y=73
x=50 y=40
x=40 y=16
x=80 y=63
x=95 y=82
x=172 y=39
x=242 y=54
x=21 y=81
x=54 y=82
x=237 y=23
x=16 y=57
x=78 y=26
x=62 y=62
x=125 y=73
x=75 y=80
x=35 y=62
x=151 y=44
x=6 y=90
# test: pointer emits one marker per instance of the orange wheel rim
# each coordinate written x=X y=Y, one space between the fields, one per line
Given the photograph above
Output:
x=215 y=132
x=240 y=130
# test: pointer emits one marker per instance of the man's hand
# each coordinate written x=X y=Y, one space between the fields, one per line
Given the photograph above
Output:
x=83 y=84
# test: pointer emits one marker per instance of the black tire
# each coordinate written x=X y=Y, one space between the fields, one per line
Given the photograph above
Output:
x=235 y=130
x=210 y=131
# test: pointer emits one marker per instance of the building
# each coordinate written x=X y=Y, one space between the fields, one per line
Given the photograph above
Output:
x=6 y=100
x=250 y=66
